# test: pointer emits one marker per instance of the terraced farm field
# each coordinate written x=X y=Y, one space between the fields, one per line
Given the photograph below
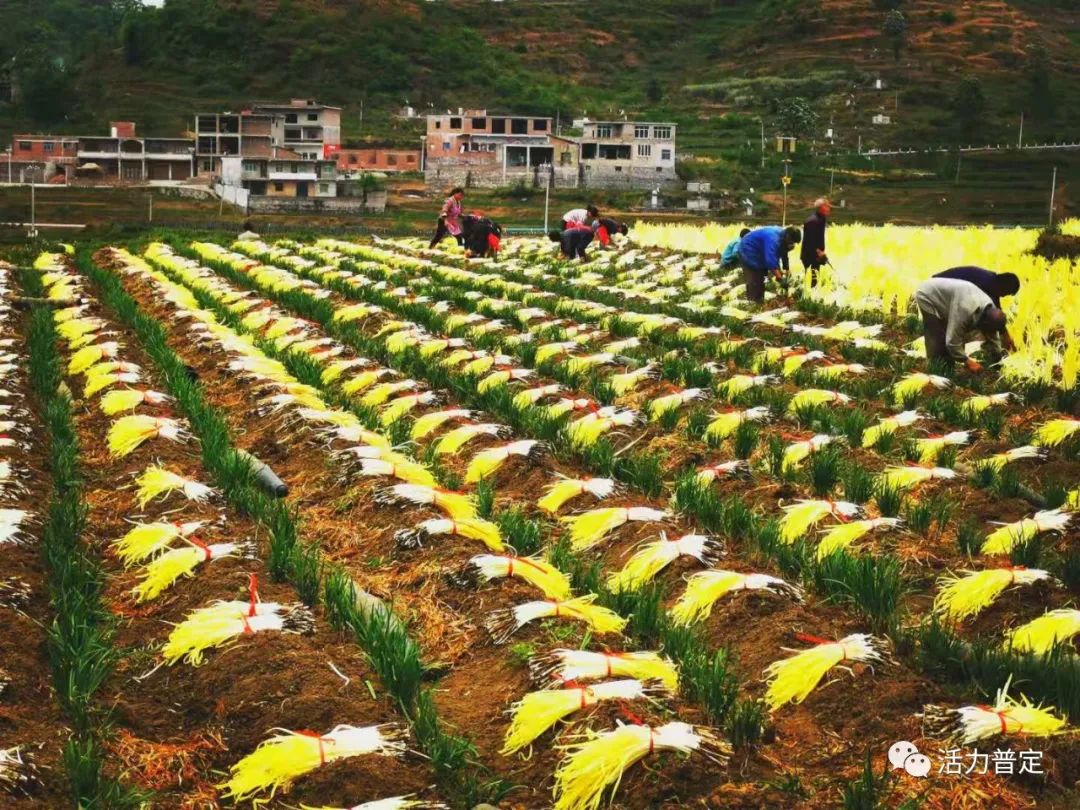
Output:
x=340 y=524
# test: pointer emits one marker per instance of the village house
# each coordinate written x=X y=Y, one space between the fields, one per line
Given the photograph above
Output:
x=473 y=147
x=310 y=129
x=632 y=153
x=123 y=156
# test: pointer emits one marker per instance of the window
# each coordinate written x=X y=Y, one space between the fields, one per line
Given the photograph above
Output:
x=279 y=186
x=659 y=168
x=446 y=146
x=603 y=130
x=49 y=146
x=391 y=160
x=662 y=133
x=540 y=124
x=250 y=166
x=324 y=188
x=565 y=158
x=438 y=125
x=455 y=123
x=208 y=165
x=24 y=146
x=644 y=150
x=618 y=168
x=410 y=158
x=479 y=123
x=519 y=126
x=641 y=130
x=614 y=151
x=665 y=154
x=352 y=159
x=312 y=116
x=290 y=118
x=588 y=151
x=498 y=126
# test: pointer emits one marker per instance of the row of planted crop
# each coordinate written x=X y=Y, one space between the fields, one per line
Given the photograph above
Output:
x=462 y=520
x=800 y=519
x=210 y=250
x=28 y=533
x=180 y=528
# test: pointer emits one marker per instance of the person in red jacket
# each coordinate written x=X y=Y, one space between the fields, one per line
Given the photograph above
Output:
x=606 y=227
x=482 y=236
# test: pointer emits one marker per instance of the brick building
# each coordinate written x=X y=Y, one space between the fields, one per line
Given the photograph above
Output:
x=377 y=159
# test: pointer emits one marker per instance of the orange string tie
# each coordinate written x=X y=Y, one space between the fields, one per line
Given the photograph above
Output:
x=253 y=593
x=207 y=553
x=322 y=744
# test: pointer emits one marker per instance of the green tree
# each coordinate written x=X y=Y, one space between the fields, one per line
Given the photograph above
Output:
x=653 y=91
x=795 y=116
x=895 y=30
x=969 y=102
x=1039 y=72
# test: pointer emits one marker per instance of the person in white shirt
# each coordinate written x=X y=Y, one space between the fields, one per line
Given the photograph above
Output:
x=951 y=311
x=580 y=217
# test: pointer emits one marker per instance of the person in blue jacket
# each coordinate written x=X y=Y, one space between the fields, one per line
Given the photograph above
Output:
x=730 y=257
x=764 y=252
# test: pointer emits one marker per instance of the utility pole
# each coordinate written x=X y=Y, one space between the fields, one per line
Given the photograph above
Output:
x=150 y=213
x=1053 y=188
x=832 y=176
x=547 y=192
x=959 y=160
x=33 y=206
x=762 y=122
x=1020 y=140
x=786 y=180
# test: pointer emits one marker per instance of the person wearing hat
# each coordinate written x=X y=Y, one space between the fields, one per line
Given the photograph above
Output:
x=764 y=252
x=812 y=253
x=952 y=310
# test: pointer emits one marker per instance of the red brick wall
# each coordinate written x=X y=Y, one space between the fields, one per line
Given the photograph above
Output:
x=43 y=147
x=379 y=160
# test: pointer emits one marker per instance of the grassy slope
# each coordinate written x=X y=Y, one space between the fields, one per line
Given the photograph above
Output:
x=718 y=65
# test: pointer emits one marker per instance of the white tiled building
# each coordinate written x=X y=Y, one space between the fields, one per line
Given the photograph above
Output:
x=634 y=152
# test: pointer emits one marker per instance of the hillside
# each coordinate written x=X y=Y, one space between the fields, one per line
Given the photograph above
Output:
x=726 y=70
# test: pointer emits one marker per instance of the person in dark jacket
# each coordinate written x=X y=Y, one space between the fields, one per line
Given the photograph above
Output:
x=764 y=252
x=482 y=236
x=573 y=242
x=606 y=227
x=812 y=253
x=995 y=285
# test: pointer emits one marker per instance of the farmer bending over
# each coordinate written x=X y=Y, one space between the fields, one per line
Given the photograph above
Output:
x=951 y=311
x=764 y=252
x=995 y=285
x=580 y=216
